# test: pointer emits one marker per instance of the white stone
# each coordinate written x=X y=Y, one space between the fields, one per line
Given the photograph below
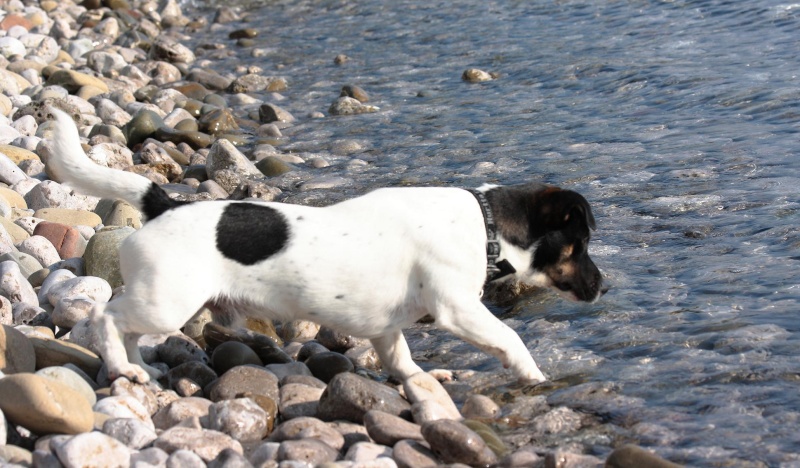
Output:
x=366 y=451
x=92 y=287
x=14 y=286
x=240 y=418
x=9 y=172
x=130 y=431
x=71 y=379
x=26 y=125
x=124 y=406
x=93 y=449
x=11 y=46
x=423 y=387
x=55 y=277
x=41 y=249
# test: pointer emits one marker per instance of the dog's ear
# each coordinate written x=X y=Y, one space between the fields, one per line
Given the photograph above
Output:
x=555 y=208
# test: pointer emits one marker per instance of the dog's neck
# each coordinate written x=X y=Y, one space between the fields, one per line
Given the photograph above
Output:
x=496 y=267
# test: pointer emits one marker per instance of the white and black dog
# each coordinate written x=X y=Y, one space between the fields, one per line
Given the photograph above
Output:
x=368 y=266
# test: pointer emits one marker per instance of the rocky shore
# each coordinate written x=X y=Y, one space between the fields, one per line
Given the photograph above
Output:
x=288 y=395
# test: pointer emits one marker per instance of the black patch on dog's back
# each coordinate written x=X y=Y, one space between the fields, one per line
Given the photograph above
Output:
x=156 y=201
x=249 y=233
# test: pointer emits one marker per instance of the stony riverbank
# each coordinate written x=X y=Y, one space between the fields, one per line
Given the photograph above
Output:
x=291 y=396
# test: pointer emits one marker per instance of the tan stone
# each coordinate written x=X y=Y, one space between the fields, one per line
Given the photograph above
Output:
x=13 y=198
x=44 y=406
x=16 y=351
x=17 y=233
x=68 y=217
x=73 y=81
x=59 y=352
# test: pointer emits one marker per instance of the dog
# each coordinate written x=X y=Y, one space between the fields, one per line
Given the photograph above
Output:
x=368 y=266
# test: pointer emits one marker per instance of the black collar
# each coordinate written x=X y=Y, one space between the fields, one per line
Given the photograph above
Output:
x=494 y=269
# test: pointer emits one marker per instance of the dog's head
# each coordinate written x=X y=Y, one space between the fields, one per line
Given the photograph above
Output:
x=561 y=222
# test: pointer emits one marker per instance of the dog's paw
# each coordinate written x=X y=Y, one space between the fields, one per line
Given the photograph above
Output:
x=442 y=375
x=131 y=372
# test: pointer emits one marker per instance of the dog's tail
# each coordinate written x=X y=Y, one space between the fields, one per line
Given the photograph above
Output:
x=70 y=165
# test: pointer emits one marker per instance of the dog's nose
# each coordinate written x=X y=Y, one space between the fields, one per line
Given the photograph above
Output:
x=604 y=290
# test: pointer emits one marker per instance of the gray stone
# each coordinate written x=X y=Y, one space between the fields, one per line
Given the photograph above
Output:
x=102 y=254
x=185 y=459
x=632 y=456
x=241 y=418
x=27 y=264
x=133 y=433
x=388 y=429
x=560 y=459
x=349 y=397
x=561 y=420
x=242 y=379
x=178 y=349
x=224 y=155
x=10 y=173
x=281 y=371
x=180 y=410
x=349 y=106
x=299 y=400
x=454 y=442
x=366 y=452
x=310 y=451
x=149 y=457
x=414 y=454
x=325 y=366
x=204 y=442
x=269 y=112
x=308 y=428
x=231 y=354
x=337 y=341
x=229 y=458
x=93 y=449
x=169 y=50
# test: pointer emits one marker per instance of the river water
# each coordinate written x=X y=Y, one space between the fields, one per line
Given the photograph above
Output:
x=677 y=120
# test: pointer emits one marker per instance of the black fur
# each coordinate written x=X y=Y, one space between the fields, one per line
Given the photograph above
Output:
x=156 y=201
x=249 y=233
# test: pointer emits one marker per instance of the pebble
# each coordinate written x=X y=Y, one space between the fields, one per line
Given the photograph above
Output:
x=44 y=406
x=241 y=379
x=422 y=387
x=350 y=106
x=327 y=365
x=93 y=449
x=17 y=354
x=454 y=442
x=205 y=443
x=14 y=286
x=388 y=429
x=480 y=407
x=132 y=432
x=241 y=418
x=298 y=400
x=231 y=354
x=310 y=451
x=71 y=379
x=102 y=254
x=350 y=396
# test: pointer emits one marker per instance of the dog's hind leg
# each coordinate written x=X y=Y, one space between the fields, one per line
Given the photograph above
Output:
x=471 y=321
x=131 y=341
x=395 y=356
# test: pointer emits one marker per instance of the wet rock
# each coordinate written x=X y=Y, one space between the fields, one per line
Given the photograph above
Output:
x=240 y=418
x=93 y=449
x=142 y=126
x=521 y=458
x=570 y=460
x=429 y=410
x=253 y=83
x=43 y=405
x=414 y=454
x=424 y=387
x=480 y=406
x=350 y=106
x=196 y=140
x=337 y=341
x=299 y=400
x=560 y=420
x=209 y=79
x=325 y=366
x=16 y=352
x=631 y=456
x=354 y=92
x=388 y=429
x=181 y=410
x=223 y=155
x=454 y=442
x=231 y=354
x=349 y=397
x=169 y=50
x=474 y=75
x=243 y=379
x=273 y=167
x=488 y=435
x=272 y=113
x=218 y=122
x=206 y=443
x=131 y=432
x=310 y=451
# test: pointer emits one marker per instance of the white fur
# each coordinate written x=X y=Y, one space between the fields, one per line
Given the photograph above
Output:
x=369 y=267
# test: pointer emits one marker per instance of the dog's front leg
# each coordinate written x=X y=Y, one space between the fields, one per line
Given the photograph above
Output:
x=474 y=323
x=110 y=341
x=395 y=356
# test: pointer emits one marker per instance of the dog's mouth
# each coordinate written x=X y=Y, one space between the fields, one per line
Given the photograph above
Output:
x=588 y=293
